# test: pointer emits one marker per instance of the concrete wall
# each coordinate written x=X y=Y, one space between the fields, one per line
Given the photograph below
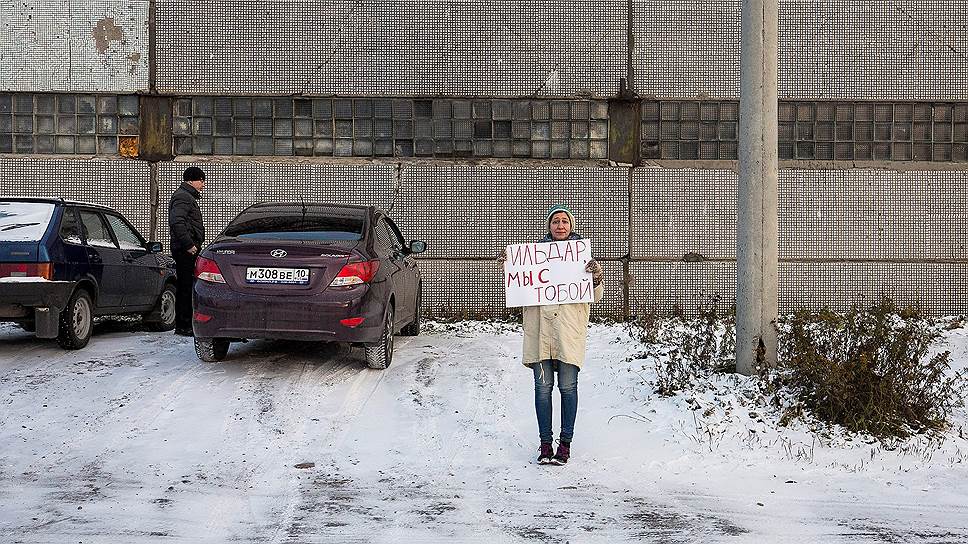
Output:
x=469 y=118
x=74 y=45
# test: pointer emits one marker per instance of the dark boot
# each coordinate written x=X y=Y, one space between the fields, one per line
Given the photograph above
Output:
x=544 y=458
x=564 y=452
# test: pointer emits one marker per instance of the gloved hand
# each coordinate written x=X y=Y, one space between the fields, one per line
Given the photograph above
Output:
x=596 y=270
x=501 y=257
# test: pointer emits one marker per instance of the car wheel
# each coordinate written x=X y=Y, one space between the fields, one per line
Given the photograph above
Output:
x=380 y=354
x=413 y=328
x=162 y=317
x=76 y=321
x=211 y=350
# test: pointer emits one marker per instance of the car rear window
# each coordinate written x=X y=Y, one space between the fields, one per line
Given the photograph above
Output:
x=267 y=226
x=24 y=221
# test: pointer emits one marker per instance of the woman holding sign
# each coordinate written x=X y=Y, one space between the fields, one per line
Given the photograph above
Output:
x=554 y=343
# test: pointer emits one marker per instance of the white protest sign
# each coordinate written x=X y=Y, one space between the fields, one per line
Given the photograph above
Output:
x=548 y=273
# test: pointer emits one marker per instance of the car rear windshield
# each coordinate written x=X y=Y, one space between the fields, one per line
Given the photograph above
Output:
x=267 y=226
x=24 y=221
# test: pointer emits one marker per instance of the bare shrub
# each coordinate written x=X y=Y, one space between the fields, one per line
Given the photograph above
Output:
x=684 y=349
x=867 y=370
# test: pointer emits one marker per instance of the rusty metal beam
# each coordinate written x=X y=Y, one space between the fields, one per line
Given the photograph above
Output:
x=624 y=127
x=156 y=129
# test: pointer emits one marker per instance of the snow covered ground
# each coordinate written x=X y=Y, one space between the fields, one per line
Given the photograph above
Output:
x=132 y=440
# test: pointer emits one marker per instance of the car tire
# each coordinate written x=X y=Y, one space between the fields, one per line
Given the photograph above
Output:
x=380 y=354
x=76 y=322
x=162 y=317
x=211 y=350
x=413 y=328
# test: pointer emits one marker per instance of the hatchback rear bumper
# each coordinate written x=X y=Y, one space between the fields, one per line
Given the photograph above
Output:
x=277 y=317
x=34 y=294
x=38 y=301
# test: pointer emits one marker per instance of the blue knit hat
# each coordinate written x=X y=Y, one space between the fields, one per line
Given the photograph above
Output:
x=561 y=208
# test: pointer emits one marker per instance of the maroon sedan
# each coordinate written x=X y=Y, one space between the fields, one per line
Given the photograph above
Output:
x=317 y=272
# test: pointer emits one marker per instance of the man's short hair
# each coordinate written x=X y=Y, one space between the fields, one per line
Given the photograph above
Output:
x=193 y=173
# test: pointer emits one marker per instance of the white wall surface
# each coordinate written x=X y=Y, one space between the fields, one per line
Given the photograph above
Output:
x=74 y=45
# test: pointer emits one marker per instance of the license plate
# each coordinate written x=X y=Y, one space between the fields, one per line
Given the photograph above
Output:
x=259 y=274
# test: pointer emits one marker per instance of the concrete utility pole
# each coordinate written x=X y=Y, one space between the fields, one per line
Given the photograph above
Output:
x=757 y=230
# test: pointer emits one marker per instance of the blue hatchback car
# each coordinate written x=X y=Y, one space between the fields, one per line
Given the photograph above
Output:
x=62 y=263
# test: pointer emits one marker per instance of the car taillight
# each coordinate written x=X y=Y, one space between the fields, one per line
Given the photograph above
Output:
x=356 y=273
x=201 y=318
x=351 y=322
x=207 y=270
x=26 y=270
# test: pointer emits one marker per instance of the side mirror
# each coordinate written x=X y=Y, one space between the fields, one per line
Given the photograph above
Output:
x=418 y=246
x=154 y=247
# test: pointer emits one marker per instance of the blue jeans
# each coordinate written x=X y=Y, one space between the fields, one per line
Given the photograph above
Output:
x=544 y=382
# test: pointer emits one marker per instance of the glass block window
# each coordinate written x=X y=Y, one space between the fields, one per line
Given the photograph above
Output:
x=397 y=127
x=83 y=124
x=811 y=130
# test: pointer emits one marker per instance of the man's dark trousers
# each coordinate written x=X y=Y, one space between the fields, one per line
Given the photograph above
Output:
x=185 y=268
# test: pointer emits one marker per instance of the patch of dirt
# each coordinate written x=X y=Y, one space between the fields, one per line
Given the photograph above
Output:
x=871 y=530
x=426 y=370
x=87 y=486
x=650 y=521
x=532 y=533
x=435 y=510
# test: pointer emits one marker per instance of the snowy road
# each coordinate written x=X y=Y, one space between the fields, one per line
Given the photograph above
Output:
x=134 y=440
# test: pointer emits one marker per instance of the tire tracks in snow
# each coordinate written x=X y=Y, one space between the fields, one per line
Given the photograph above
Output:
x=428 y=498
x=284 y=397
x=303 y=499
x=84 y=442
x=328 y=497
x=327 y=493
x=34 y=363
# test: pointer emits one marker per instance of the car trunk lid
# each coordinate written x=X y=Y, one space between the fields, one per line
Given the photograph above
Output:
x=23 y=260
x=22 y=227
x=280 y=267
x=19 y=252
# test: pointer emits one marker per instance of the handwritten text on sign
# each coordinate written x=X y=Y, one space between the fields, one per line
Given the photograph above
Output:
x=548 y=273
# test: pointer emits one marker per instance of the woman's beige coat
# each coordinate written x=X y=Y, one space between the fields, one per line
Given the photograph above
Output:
x=557 y=331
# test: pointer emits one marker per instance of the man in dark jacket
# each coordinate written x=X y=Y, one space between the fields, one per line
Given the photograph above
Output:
x=187 y=237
